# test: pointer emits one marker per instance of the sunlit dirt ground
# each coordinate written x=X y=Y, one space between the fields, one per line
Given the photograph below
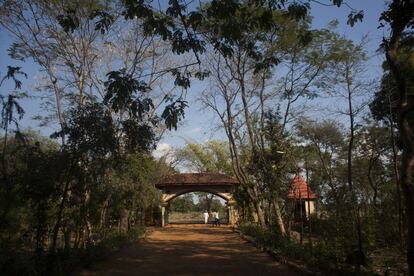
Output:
x=190 y=250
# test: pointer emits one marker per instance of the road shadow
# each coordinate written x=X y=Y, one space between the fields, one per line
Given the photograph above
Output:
x=187 y=250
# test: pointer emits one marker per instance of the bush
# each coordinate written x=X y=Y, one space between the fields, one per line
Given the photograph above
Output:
x=291 y=249
x=65 y=261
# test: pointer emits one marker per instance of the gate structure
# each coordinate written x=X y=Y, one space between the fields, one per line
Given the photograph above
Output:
x=220 y=185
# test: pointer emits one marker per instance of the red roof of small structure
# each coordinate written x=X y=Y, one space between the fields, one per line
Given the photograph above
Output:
x=180 y=179
x=299 y=189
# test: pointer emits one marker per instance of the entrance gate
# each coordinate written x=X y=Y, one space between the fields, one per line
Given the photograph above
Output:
x=218 y=184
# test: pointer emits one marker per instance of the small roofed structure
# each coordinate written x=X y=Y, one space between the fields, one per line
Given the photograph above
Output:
x=300 y=188
x=302 y=197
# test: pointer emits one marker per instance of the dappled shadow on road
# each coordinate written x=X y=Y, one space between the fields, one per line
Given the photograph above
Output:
x=188 y=250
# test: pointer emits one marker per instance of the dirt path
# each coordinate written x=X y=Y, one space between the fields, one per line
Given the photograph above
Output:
x=190 y=250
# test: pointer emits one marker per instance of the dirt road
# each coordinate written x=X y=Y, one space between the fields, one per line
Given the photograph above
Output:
x=190 y=250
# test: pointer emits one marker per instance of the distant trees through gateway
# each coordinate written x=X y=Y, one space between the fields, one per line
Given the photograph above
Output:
x=189 y=208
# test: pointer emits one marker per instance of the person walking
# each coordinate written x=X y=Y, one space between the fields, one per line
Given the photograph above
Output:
x=216 y=218
x=205 y=217
x=213 y=215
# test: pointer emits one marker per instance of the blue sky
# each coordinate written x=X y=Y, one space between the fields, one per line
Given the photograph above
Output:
x=199 y=124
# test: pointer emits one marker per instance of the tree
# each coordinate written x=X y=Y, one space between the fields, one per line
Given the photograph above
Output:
x=11 y=114
x=76 y=59
x=183 y=203
x=73 y=58
x=384 y=109
x=327 y=139
x=248 y=92
x=399 y=18
x=211 y=157
x=346 y=80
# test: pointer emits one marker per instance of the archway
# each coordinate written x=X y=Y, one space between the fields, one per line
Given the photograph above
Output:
x=177 y=184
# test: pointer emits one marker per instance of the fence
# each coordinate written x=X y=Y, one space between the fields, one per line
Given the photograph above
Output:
x=194 y=217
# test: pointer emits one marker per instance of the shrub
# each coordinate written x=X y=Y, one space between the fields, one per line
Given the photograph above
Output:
x=65 y=261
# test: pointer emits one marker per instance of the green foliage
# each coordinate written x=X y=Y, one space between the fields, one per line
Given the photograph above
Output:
x=213 y=157
x=183 y=203
x=374 y=176
x=208 y=203
x=205 y=202
x=12 y=73
x=324 y=257
x=210 y=157
x=64 y=261
x=383 y=106
x=354 y=17
x=9 y=104
x=398 y=15
x=103 y=22
x=174 y=113
x=30 y=205
x=121 y=88
x=69 y=21
x=90 y=131
x=9 y=107
x=138 y=136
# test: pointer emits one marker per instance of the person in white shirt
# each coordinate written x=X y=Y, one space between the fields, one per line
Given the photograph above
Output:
x=216 y=218
x=205 y=217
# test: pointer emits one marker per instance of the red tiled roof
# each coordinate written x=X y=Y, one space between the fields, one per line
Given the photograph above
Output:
x=197 y=179
x=299 y=189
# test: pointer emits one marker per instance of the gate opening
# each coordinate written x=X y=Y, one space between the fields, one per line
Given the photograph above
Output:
x=191 y=208
x=185 y=185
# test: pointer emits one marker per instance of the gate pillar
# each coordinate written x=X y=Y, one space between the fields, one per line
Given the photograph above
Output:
x=233 y=214
x=164 y=214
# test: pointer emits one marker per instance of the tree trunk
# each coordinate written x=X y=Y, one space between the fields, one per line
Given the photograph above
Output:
x=260 y=214
x=396 y=176
x=408 y=189
x=373 y=184
x=87 y=223
x=103 y=216
x=279 y=219
x=209 y=200
x=6 y=208
x=68 y=236
x=354 y=200
x=59 y=217
x=351 y=128
x=405 y=107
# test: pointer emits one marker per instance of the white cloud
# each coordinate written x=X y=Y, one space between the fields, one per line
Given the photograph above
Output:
x=162 y=149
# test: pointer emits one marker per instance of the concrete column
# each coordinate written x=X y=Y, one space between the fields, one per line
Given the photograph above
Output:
x=312 y=207
x=162 y=216
x=232 y=213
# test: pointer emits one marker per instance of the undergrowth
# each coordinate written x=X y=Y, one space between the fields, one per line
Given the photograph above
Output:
x=324 y=258
x=64 y=261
